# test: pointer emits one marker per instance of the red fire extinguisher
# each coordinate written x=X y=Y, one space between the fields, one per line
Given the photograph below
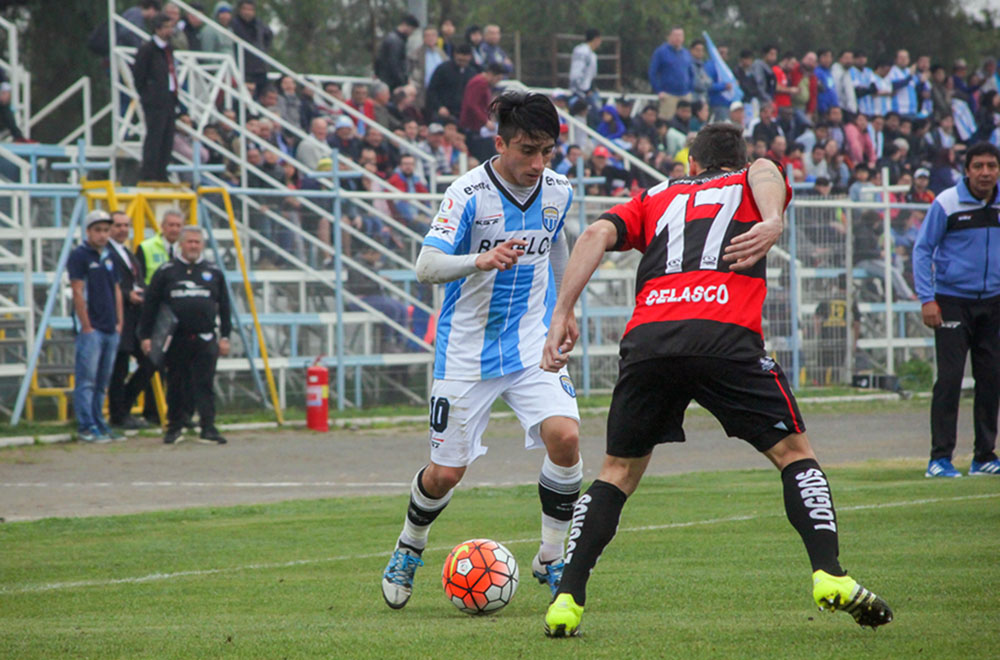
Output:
x=317 y=397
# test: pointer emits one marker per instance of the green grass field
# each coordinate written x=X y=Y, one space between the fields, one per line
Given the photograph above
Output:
x=704 y=566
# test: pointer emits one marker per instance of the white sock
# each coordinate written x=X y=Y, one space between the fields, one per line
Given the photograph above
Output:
x=420 y=514
x=559 y=480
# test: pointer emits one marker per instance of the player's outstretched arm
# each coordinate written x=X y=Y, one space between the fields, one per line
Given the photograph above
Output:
x=587 y=254
x=768 y=189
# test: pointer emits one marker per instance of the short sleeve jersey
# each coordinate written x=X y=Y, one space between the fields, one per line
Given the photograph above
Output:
x=494 y=323
x=97 y=272
x=688 y=302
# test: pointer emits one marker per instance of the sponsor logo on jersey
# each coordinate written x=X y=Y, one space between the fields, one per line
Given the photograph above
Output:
x=489 y=220
x=567 y=385
x=535 y=244
x=442 y=226
x=951 y=325
x=482 y=185
x=766 y=363
x=551 y=181
x=436 y=442
x=550 y=216
x=717 y=294
x=964 y=217
x=447 y=205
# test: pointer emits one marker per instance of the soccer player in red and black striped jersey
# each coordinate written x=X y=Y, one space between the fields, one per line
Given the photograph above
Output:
x=695 y=334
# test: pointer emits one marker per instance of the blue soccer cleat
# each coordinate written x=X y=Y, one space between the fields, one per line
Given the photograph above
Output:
x=989 y=467
x=549 y=573
x=941 y=467
x=397 y=580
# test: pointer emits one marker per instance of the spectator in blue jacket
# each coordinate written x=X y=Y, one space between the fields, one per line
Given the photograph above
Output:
x=671 y=73
x=611 y=126
x=826 y=97
x=956 y=270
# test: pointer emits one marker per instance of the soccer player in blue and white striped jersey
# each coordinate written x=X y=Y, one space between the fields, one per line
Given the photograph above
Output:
x=497 y=243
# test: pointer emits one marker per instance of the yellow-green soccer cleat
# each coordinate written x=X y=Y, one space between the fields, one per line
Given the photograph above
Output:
x=845 y=594
x=563 y=617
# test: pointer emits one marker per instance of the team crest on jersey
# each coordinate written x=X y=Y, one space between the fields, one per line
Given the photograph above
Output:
x=766 y=363
x=567 y=385
x=550 y=216
x=447 y=205
x=207 y=276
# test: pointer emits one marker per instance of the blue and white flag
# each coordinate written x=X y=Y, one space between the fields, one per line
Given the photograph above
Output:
x=965 y=123
x=725 y=73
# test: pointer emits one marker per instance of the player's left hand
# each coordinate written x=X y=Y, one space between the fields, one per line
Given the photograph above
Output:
x=563 y=334
x=223 y=347
x=747 y=249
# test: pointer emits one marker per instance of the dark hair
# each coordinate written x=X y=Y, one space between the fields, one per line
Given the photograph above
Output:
x=683 y=104
x=788 y=54
x=823 y=52
x=525 y=112
x=578 y=106
x=767 y=49
x=697 y=42
x=496 y=69
x=149 y=4
x=860 y=53
x=844 y=51
x=463 y=49
x=719 y=145
x=745 y=53
x=893 y=113
x=822 y=181
x=861 y=167
x=159 y=21
x=980 y=149
x=410 y=20
x=591 y=34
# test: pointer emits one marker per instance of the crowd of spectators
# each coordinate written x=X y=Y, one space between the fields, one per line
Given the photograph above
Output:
x=833 y=123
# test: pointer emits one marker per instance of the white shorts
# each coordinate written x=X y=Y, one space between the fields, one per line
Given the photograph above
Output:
x=460 y=410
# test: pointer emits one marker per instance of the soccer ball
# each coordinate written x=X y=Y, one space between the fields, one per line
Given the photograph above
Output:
x=480 y=576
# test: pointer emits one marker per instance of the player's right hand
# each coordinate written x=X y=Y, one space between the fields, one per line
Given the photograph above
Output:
x=931 y=313
x=563 y=334
x=503 y=256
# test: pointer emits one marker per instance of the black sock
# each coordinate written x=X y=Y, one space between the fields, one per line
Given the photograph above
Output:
x=595 y=522
x=809 y=506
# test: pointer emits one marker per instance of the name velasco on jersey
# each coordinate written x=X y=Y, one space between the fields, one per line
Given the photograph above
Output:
x=493 y=323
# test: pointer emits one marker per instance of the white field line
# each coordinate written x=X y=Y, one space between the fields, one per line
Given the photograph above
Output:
x=155 y=577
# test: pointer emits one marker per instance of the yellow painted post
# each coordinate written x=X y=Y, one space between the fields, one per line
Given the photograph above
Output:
x=249 y=292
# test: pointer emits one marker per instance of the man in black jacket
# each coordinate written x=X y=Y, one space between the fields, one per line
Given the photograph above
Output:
x=447 y=85
x=251 y=29
x=390 y=63
x=195 y=292
x=156 y=82
x=121 y=393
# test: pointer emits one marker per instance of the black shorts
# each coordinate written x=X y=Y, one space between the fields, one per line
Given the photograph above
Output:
x=751 y=399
